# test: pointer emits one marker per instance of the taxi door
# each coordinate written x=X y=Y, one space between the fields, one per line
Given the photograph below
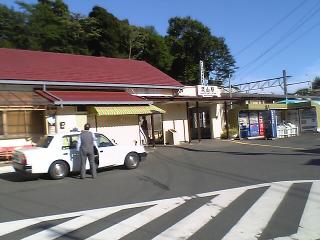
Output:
x=70 y=153
x=108 y=155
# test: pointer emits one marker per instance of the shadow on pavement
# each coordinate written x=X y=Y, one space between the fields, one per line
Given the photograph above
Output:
x=302 y=152
x=315 y=162
x=18 y=177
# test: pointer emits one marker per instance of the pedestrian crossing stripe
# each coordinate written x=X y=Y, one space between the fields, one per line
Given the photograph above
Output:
x=250 y=225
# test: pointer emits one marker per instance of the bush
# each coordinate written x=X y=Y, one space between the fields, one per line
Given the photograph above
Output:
x=233 y=132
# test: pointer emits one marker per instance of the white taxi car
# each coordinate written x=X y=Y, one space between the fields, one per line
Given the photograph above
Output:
x=57 y=155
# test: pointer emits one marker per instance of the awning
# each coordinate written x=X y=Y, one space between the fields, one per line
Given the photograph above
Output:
x=22 y=99
x=92 y=98
x=126 y=110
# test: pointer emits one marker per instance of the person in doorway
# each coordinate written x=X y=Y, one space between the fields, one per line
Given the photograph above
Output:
x=144 y=127
x=86 y=144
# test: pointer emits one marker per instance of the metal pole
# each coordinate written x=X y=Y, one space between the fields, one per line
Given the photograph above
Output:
x=198 y=121
x=284 y=76
x=226 y=118
x=152 y=131
x=96 y=122
x=188 y=121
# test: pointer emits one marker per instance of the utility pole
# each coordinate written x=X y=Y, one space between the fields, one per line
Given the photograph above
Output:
x=285 y=91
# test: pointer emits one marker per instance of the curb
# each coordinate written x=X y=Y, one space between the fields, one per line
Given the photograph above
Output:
x=6 y=169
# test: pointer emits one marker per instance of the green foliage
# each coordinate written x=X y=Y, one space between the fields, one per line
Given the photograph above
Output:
x=316 y=83
x=146 y=44
x=303 y=91
x=48 y=25
x=12 y=29
x=233 y=132
x=190 y=41
x=307 y=91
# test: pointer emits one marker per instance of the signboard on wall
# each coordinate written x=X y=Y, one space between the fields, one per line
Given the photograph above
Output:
x=208 y=91
x=308 y=119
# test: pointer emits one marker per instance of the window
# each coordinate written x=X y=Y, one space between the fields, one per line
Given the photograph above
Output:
x=22 y=123
x=44 y=141
x=103 y=141
x=70 y=141
x=81 y=108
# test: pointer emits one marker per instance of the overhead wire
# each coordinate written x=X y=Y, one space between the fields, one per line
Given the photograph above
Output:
x=250 y=44
x=291 y=31
x=284 y=48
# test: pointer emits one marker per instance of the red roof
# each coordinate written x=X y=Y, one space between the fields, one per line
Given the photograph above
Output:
x=91 y=97
x=60 y=67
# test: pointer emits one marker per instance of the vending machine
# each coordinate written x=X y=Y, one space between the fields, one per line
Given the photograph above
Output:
x=254 y=124
x=243 y=120
x=270 y=119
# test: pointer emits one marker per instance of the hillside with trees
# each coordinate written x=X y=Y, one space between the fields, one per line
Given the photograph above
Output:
x=50 y=26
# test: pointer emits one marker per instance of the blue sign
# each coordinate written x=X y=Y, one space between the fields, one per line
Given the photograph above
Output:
x=273 y=123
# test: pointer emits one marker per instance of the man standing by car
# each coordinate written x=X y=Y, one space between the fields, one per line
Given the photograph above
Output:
x=85 y=146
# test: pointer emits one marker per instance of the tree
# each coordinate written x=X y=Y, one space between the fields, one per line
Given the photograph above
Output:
x=13 y=32
x=51 y=27
x=304 y=91
x=316 y=83
x=147 y=45
x=190 y=41
x=109 y=40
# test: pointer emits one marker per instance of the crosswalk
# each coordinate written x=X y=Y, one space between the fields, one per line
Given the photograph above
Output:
x=250 y=225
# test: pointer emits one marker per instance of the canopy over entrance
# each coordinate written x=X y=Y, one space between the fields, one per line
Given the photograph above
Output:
x=126 y=110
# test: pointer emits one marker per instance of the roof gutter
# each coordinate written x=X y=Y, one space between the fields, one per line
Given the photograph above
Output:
x=85 y=84
x=61 y=102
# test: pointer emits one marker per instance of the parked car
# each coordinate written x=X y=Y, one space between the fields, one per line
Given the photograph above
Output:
x=57 y=155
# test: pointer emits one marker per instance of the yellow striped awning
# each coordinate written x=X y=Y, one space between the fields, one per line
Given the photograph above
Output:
x=126 y=110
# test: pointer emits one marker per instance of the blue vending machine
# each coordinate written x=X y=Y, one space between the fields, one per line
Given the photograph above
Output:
x=254 y=124
x=243 y=121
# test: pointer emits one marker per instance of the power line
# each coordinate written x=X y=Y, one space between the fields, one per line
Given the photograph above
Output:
x=270 y=29
x=292 y=30
x=284 y=48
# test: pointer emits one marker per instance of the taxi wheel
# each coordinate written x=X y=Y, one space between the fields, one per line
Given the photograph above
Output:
x=58 y=170
x=132 y=160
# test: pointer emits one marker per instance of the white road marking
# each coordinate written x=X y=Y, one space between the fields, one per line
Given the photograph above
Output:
x=9 y=227
x=133 y=223
x=196 y=220
x=309 y=227
x=249 y=227
x=71 y=225
x=252 y=224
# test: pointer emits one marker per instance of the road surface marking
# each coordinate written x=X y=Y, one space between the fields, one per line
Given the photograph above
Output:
x=133 y=223
x=248 y=227
x=71 y=225
x=266 y=145
x=9 y=227
x=252 y=224
x=309 y=227
x=196 y=220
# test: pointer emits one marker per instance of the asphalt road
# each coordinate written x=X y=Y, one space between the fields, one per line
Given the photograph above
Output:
x=271 y=190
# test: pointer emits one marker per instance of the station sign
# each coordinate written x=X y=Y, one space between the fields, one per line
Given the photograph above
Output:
x=208 y=91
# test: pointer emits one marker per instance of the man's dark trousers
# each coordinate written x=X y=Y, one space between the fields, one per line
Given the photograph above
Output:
x=90 y=155
x=87 y=151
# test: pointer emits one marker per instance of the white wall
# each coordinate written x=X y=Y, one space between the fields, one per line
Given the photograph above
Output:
x=123 y=129
x=71 y=118
x=217 y=120
x=175 y=118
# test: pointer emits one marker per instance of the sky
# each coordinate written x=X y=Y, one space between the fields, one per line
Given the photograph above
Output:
x=265 y=36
